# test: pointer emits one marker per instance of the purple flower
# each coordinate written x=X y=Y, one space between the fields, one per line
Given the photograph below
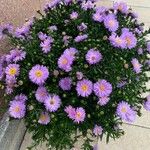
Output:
x=10 y=84
x=82 y=27
x=24 y=30
x=97 y=130
x=65 y=61
x=53 y=28
x=95 y=147
x=102 y=88
x=38 y=74
x=103 y=101
x=65 y=83
x=52 y=103
x=1 y=72
x=136 y=65
x=71 y=51
x=87 y=5
x=17 y=109
x=52 y=4
x=12 y=70
x=121 y=84
x=42 y=36
x=84 y=87
x=16 y=55
x=140 y=51
x=79 y=115
x=117 y=41
x=148 y=47
x=44 y=118
x=5 y=29
x=98 y=17
x=129 y=37
x=121 y=6
x=93 y=56
x=46 y=45
x=66 y=39
x=147 y=103
x=67 y=2
x=80 y=38
x=74 y=15
x=70 y=112
x=111 y=23
x=79 y=75
x=21 y=97
x=125 y=112
x=41 y=94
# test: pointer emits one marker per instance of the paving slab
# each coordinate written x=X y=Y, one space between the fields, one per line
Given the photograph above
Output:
x=135 y=138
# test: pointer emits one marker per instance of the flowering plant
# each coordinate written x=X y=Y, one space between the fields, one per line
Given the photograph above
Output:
x=76 y=68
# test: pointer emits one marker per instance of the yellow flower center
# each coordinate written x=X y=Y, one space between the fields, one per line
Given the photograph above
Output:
x=120 y=7
x=128 y=40
x=124 y=110
x=43 y=117
x=78 y=115
x=38 y=73
x=52 y=101
x=64 y=61
x=111 y=23
x=102 y=87
x=17 y=109
x=118 y=41
x=84 y=87
x=12 y=71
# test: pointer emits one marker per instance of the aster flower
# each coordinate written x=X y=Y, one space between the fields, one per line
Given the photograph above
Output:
x=65 y=83
x=70 y=111
x=10 y=82
x=52 y=103
x=79 y=115
x=82 y=27
x=97 y=130
x=38 y=74
x=17 y=109
x=46 y=45
x=87 y=5
x=65 y=61
x=74 y=15
x=95 y=147
x=84 y=87
x=117 y=41
x=102 y=88
x=52 y=4
x=121 y=84
x=111 y=23
x=148 y=47
x=16 y=55
x=103 y=101
x=147 y=103
x=125 y=112
x=79 y=75
x=42 y=36
x=67 y=2
x=44 y=118
x=53 y=28
x=71 y=51
x=136 y=65
x=93 y=56
x=80 y=38
x=129 y=37
x=12 y=70
x=121 y=6
x=140 y=51
x=66 y=39
x=41 y=94
x=24 y=30
x=5 y=29
x=98 y=17
x=21 y=97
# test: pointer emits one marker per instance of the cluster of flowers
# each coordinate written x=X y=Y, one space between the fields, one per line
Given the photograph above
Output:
x=38 y=74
